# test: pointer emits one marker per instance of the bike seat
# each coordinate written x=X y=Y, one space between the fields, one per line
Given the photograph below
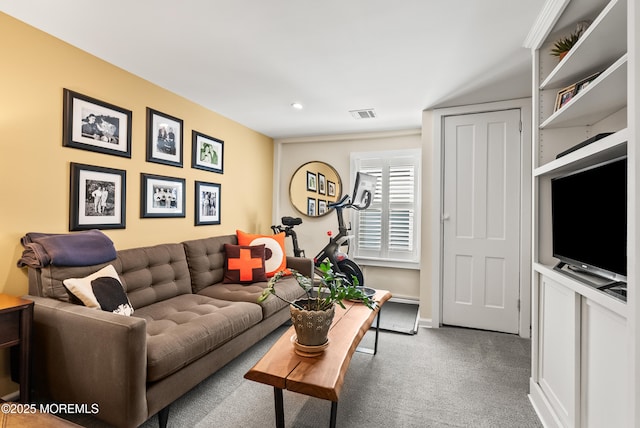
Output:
x=290 y=221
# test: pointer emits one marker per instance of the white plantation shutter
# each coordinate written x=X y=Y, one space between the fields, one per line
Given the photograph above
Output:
x=401 y=207
x=387 y=232
x=369 y=231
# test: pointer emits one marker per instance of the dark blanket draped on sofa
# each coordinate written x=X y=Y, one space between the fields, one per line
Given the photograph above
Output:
x=85 y=248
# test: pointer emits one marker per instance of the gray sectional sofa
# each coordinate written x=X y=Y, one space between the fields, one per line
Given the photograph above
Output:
x=186 y=325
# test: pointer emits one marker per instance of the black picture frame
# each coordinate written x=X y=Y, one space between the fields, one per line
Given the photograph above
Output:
x=97 y=197
x=322 y=207
x=208 y=200
x=164 y=138
x=311 y=207
x=162 y=196
x=94 y=125
x=312 y=181
x=584 y=83
x=331 y=188
x=322 y=184
x=207 y=153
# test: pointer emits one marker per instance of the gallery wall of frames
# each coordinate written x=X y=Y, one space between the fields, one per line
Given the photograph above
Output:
x=98 y=195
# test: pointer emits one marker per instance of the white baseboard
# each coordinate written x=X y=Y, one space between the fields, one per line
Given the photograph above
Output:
x=542 y=406
x=425 y=323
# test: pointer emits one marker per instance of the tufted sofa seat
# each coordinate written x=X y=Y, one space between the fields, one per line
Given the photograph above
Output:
x=203 y=257
x=186 y=325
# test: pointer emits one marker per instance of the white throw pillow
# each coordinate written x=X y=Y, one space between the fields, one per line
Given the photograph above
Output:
x=101 y=290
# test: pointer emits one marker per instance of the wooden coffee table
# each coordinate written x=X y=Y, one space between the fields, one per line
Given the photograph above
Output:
x=321 y=376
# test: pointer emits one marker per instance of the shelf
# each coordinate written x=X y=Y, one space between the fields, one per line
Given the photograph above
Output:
x=610 y=147
x=591 y=293
x=604 y=41
x=603 y=97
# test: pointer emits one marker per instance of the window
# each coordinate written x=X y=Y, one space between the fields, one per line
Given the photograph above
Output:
x=388 y=232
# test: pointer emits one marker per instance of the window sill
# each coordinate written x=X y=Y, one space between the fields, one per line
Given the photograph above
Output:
x=397 y=264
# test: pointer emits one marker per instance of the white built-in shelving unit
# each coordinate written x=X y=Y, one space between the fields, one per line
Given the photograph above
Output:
x=584 y=368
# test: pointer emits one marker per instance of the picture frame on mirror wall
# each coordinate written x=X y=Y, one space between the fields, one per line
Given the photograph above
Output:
x=207 y=203
x=94 y=125
x=207 y=153
x=311 y=207
x=322 y=184
x=322 y=207
x=331 y=188
x=164 y=138
x=161 y=196
x=97 y=197
x=312 y=181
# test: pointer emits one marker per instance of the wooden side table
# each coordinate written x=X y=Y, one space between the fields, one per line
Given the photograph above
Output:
x=16 y=319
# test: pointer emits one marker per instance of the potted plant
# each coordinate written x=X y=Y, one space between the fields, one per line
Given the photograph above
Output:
x=313 y=314
x=563 y=45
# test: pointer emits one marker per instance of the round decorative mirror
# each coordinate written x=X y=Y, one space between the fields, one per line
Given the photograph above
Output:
x=313 y=186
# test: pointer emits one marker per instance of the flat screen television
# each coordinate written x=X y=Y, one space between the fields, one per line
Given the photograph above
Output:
x=589 y=219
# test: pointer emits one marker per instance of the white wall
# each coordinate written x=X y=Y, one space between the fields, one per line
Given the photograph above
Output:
x=336 y=150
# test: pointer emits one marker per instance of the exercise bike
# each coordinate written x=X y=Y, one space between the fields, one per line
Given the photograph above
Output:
x=287 y=227
x=362 y=196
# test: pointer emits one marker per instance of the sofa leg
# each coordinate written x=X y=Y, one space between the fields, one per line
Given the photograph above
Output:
x=163 y=417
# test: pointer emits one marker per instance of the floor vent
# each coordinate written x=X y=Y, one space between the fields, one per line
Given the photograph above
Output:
x=363 y=114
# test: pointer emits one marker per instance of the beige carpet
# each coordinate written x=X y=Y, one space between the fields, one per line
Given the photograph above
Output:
x=448 y=377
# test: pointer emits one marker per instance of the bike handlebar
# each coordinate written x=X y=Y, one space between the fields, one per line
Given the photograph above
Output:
x=342 y=202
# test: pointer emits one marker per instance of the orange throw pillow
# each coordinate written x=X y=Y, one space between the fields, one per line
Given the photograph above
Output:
x=275 y=258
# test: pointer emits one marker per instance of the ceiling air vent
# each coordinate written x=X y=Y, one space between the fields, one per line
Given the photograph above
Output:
x=368 y=113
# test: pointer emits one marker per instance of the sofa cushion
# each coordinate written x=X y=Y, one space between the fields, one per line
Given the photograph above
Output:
x=148 y=274
x=153 y=274
x=275 y=255
x=206 y=258
x=182 y=329
x=287 y=288
x=101 y=290
x=245 y=264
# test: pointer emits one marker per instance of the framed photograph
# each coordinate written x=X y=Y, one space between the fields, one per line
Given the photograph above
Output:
x=331 y=188
x=584 y=83
x=207 y=153
x=207 y=206
x=94 y=125
x=322 y=207
x=322 y=184
x=97 y=197
x=564 y=96
x=311 y=206
x=312 y=184
x=164 y=138
x=161 y=196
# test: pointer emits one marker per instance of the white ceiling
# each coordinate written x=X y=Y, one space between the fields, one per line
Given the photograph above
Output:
x=250 y=59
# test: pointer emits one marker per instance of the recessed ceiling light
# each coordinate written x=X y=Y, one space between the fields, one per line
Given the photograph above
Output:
x=296 y=106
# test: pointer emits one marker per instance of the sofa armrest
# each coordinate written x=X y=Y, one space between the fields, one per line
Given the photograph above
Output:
x=85 y=355
x=301 y=264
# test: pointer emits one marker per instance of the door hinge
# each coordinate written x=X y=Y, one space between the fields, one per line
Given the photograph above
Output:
x=518 y=305
x=520 y=126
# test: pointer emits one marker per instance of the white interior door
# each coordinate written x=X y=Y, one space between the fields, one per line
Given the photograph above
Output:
x=481 y=221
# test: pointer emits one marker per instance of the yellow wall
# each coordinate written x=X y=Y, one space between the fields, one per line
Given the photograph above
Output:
x=34 y=166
